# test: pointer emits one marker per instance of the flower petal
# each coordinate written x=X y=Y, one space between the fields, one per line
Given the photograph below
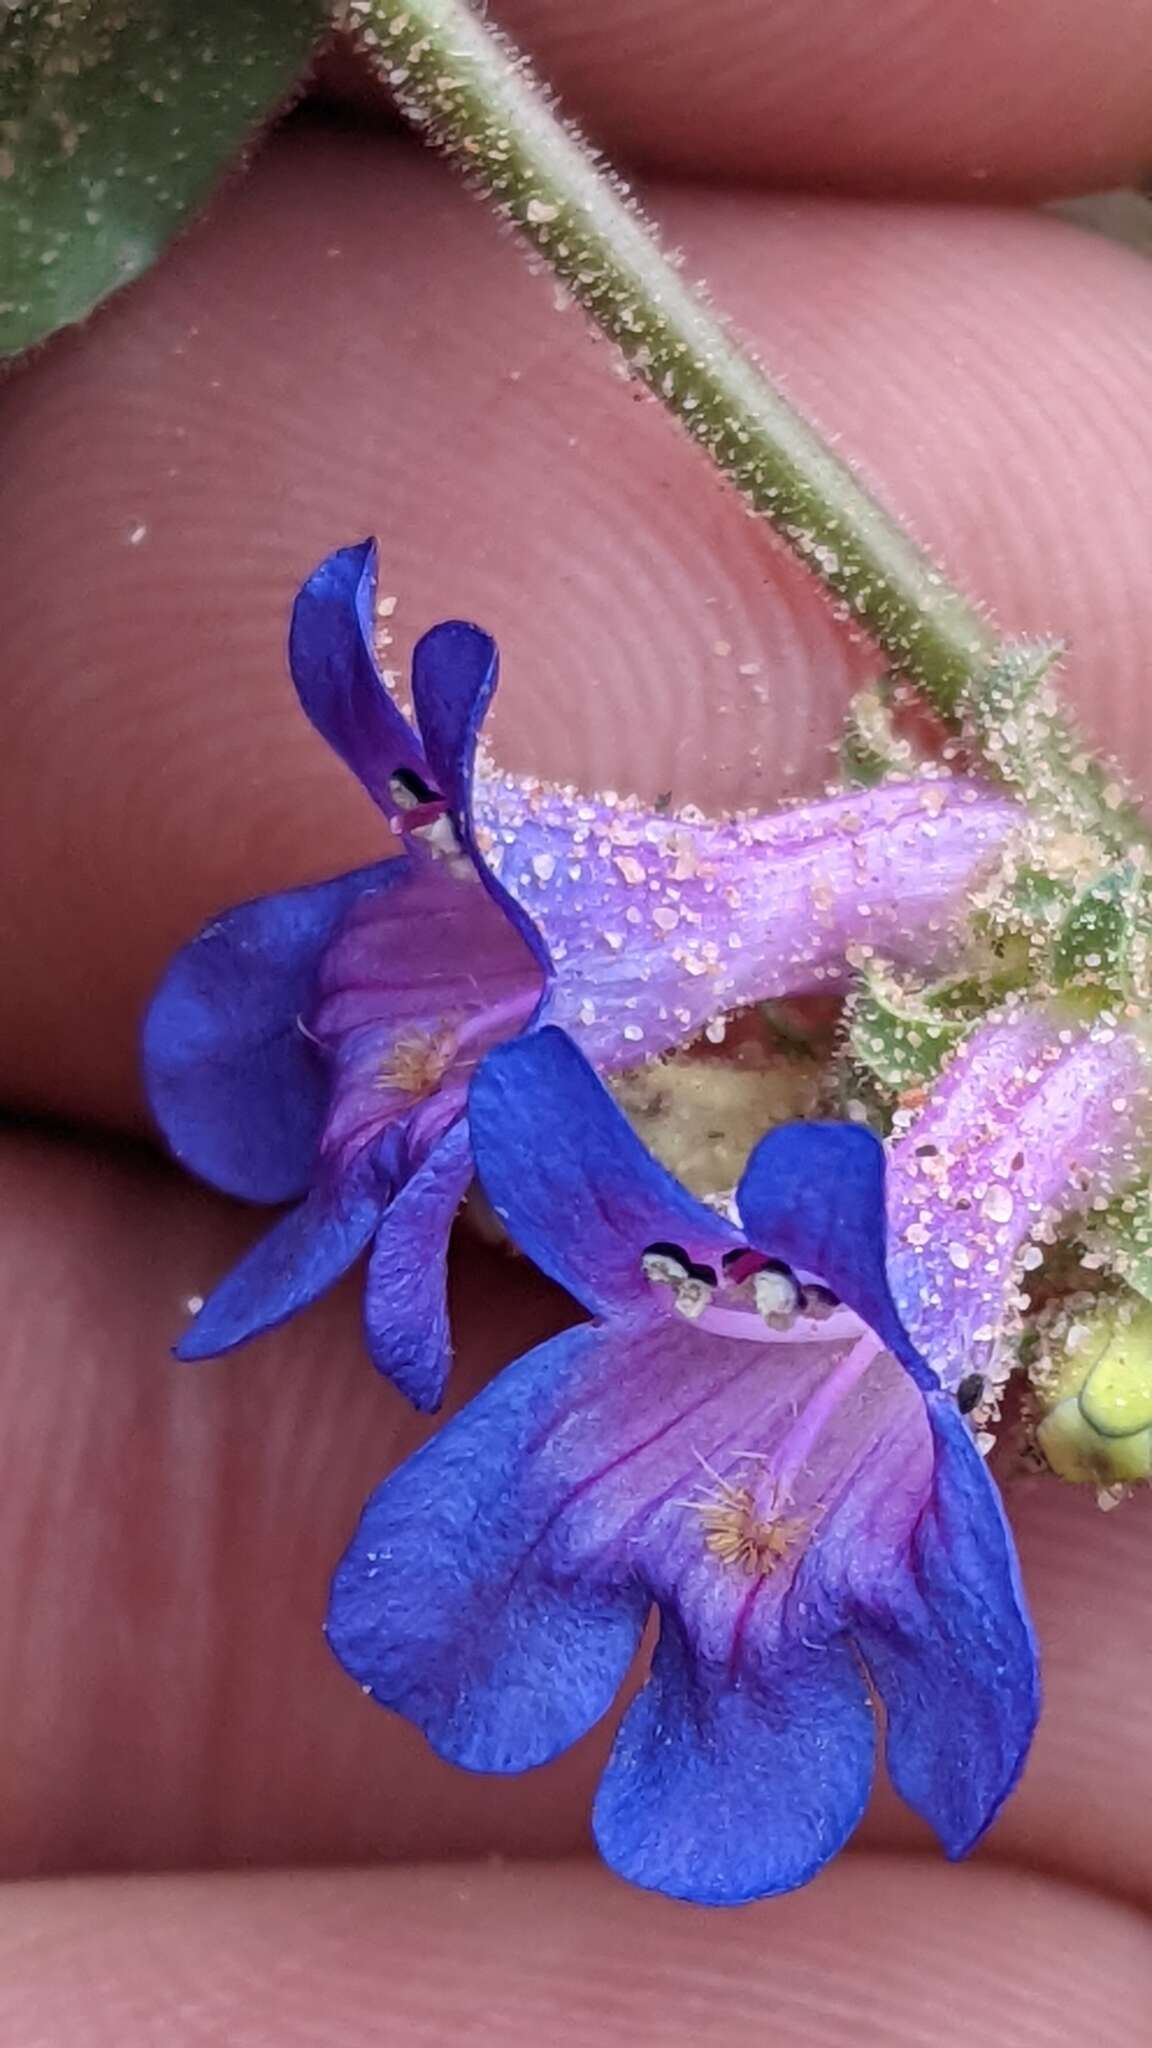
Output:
x=302 y=1256
x=1038 y=1115
x=499 y=1580
x=330 y=651
x=725 y=1784
x=813 y=1195
x=952 y=1652
x=421 y=978
x=658 y=923
x=235 y=1084
x=405 y=1305
x=563 y=1168
x=454 y=1604
x=455 y=669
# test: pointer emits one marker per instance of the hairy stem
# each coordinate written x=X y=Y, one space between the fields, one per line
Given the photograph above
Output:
x=454 y=77
x=457 y=79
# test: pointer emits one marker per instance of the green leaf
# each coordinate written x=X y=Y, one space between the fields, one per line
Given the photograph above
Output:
x=116 y=117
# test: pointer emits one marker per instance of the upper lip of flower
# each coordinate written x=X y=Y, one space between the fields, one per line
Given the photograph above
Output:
x=398 y=974
x=794 y=1508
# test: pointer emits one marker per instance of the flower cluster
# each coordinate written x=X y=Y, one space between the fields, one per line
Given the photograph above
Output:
x=765 y=1429
x=316 y=1046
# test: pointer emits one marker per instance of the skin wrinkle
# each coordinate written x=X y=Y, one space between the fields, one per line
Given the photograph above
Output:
x=843 y=98
x=261 y=1959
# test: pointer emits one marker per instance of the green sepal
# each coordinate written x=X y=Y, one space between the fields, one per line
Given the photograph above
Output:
x=1121 y=1235
x=1100 y=932
x=871 y=749
x=901 y=1036
x=1012 y=716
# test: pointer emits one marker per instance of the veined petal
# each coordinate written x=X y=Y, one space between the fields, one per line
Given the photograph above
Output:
x=564 y=1170
x=454 y=1603
x=496 y=1589
x=657 y=924
x=299 y=1259
x=235 y=1083
x=1033 y=1118
x=787 y=1504
x=726 y=1785
x=951 y=1650
x=333 y=663
x=418 y=982
x=405 y=1304
x=812 y=1195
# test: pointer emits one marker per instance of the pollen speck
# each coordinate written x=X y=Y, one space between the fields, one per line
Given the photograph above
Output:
x=416 y=1065
x=736 y=1534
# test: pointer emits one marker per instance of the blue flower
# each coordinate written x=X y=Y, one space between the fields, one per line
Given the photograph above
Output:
x=316 y=1046
x=742 y=1436
x=318 y=1043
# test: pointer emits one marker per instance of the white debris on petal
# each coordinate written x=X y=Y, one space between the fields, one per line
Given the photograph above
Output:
x=631 y=869
x=997 y=1204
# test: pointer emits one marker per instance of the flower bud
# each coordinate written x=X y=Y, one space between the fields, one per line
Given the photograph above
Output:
x=1095 y=1384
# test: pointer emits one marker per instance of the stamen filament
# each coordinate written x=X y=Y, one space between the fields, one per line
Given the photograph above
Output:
x=816 y=1412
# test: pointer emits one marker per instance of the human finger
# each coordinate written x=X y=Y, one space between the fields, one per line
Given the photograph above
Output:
x=928 y=96
x=886 y=1952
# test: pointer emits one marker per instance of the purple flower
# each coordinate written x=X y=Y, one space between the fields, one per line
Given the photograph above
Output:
x=1039 y=1115
x=743 y=1436
x=316 y=1046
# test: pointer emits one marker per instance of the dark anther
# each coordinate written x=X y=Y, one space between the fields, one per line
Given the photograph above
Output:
x=817 y=1301
x=970 y=1392
x=676 y=1255
x=409 y=789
